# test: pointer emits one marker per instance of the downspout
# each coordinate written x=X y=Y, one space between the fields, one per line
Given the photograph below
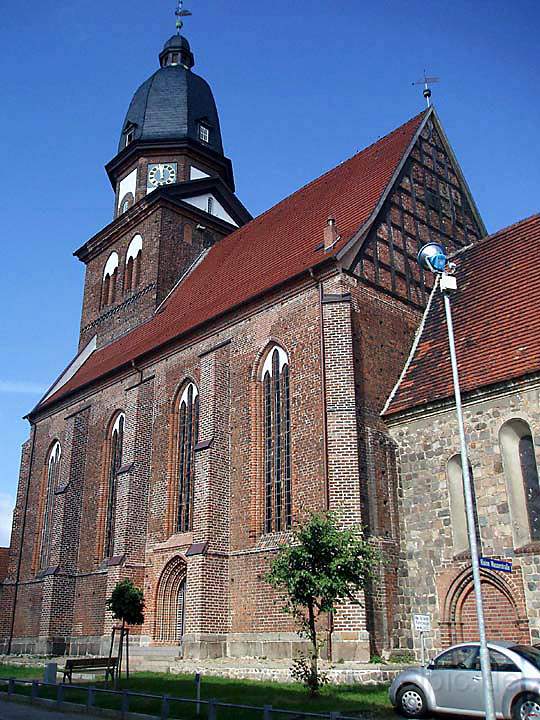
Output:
x=21 y=546
x=325 y=432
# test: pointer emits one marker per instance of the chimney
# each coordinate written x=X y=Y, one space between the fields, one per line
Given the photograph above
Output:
x=331 y=235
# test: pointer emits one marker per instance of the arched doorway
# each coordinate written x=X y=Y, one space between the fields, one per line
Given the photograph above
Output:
x=504 y=609
x=170 y=603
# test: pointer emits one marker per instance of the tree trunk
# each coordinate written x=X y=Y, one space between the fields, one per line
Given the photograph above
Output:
x=314 y=681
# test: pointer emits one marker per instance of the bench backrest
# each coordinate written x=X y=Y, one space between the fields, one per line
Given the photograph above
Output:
x=93 y=663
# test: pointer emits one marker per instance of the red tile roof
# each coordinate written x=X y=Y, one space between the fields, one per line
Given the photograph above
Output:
x=496 y=316
x=276 y=246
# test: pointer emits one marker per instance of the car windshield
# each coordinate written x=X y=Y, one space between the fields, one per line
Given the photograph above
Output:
x=529 y=653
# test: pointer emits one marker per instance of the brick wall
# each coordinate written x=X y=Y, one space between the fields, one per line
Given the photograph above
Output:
x=168 y=250
x=229 y=606
x=4 y=561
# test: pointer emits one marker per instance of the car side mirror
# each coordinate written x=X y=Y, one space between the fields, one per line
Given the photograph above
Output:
x=431 y=664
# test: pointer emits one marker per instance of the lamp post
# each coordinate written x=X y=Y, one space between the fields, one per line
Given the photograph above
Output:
x=432 y=257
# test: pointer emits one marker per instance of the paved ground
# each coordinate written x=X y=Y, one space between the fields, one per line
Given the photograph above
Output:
x=15 y=711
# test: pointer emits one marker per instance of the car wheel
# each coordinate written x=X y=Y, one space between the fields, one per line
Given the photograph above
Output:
x=411 y=701
x=527 y=707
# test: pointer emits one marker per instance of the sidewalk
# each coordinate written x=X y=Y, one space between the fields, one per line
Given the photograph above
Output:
x=15 y=711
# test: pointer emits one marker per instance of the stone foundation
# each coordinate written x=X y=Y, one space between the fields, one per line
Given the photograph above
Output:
x=346 y=646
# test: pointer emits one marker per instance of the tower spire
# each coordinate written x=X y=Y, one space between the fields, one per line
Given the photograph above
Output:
x=180 y=13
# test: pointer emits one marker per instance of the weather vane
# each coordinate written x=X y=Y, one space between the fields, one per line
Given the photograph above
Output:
x=426 y=82
x=180 y=13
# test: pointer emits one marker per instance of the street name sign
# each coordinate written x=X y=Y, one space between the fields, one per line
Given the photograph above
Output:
x=494 y=564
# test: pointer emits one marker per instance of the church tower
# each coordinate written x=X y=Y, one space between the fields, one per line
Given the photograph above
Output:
x=174 y=198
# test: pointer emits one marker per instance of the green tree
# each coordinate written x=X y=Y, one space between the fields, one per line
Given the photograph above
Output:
x=127 y=603
x=322 y=567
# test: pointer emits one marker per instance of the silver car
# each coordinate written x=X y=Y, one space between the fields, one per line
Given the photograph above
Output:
x=452 y=683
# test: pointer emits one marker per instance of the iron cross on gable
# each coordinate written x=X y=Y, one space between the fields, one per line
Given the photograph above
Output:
x=426 y=82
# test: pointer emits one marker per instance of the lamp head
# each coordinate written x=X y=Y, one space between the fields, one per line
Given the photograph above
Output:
x=432 y=257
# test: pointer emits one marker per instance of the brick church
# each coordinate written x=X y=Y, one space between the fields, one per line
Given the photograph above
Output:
x=229 y=379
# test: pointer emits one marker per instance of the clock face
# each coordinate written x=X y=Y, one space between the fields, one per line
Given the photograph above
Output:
x=161 y=174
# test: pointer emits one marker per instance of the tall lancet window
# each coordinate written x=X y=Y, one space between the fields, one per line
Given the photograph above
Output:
x=458 y=511
x=277 y=441
x=52 y=474
x=522 y=483
x=188 y=431
x=116 y=444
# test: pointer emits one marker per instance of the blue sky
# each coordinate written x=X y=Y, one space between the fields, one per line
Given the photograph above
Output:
x=300 y=86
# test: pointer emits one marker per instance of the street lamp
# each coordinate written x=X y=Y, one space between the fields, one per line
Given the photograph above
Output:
x=432 y=257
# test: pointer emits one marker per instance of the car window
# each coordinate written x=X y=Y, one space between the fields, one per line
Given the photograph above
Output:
x=459 y=658
x=528 y=652
x=499 y=662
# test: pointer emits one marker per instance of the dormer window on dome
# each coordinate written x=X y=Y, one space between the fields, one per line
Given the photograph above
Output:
x=129 y=133
x=204 y=133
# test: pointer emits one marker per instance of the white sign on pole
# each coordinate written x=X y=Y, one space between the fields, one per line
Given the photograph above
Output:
x=422 y=623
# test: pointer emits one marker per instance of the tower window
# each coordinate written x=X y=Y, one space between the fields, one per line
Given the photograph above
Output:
x=204 y=133
x=110 y=273
x=210 y=206
x=132 y=273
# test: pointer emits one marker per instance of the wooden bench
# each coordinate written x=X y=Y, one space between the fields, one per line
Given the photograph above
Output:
x=83 y=664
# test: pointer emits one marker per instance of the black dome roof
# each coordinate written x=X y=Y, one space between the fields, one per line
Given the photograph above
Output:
x=173 y=102
x=176 y=41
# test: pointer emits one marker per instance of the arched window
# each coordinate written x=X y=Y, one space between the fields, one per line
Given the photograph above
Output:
x=110 y=274
x=133 y=264
x=186 y=432
x=277 y=441
x=52 y=472
x=521 y=472
x=458 y=512
x=115 y=447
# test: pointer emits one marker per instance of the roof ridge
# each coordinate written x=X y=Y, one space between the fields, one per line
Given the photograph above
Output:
x=318 y=179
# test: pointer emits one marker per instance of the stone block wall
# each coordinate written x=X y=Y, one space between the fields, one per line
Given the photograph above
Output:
x=432 y=577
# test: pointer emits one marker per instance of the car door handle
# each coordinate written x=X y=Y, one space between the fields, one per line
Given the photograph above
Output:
x=477 y=678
